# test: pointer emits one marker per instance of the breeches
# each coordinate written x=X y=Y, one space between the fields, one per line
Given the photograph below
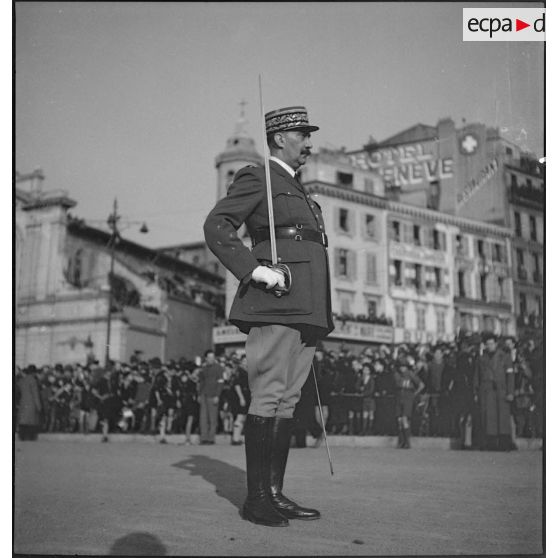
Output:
x=278 y=360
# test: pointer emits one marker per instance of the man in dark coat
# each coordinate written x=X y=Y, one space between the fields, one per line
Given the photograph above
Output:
x=494 y=387
x=210 y=387
x=29 y=409
x=282 y=330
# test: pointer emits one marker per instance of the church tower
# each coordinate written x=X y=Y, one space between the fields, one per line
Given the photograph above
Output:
x=239 y=152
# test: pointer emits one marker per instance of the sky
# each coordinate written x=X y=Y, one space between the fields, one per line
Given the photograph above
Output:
x=135 y=100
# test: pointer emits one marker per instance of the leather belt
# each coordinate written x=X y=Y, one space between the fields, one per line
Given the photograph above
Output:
x=295 y=232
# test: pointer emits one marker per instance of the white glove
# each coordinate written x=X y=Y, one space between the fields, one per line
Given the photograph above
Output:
x=270 y=277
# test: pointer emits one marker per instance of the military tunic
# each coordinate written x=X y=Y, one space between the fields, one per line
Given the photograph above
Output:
x=309 y=302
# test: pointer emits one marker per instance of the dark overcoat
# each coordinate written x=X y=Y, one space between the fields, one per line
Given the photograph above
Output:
x=309 y=302
x=494 y=380
x=29 y=410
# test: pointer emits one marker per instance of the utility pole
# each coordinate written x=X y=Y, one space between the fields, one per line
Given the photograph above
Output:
x=112 y=221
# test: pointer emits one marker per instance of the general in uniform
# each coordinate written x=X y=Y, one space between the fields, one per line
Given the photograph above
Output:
x=282 y=330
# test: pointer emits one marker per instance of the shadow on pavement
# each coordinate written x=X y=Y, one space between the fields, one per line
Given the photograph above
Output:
x=138 y=544
x=229 y=481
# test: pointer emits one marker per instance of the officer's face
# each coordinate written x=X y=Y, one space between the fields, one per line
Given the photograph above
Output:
x=296 y=147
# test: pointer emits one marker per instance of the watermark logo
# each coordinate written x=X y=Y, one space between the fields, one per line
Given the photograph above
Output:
x=503 y=24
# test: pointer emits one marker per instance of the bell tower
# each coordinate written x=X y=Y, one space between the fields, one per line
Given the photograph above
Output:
x=239 y=152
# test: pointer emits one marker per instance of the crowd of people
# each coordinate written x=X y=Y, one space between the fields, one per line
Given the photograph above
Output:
x=402 y=390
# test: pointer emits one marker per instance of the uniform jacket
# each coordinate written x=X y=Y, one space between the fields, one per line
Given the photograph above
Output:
x=211 y=380
x=309 y=302
x=29 y=411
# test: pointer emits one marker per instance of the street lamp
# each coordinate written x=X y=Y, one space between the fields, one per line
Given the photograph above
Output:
x=112 y=222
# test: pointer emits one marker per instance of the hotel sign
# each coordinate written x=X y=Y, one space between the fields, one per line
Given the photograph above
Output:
x=406 y=164
x=363 y=332
x=228 y=334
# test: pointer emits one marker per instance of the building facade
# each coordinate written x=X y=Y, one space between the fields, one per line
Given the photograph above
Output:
x=160 y=306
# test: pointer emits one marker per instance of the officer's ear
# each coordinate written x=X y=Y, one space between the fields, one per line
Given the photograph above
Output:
x=279 y=140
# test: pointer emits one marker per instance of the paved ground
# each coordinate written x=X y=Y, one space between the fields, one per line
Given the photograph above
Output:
x=149 y=499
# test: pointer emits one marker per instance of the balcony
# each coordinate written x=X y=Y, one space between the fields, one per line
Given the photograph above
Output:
x=527 y=195
x=531 y=320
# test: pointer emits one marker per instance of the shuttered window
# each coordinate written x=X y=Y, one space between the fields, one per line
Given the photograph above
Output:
x=371 y=270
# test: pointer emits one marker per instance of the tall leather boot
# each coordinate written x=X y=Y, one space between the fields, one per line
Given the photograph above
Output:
x=280 y=442
x=258 y=507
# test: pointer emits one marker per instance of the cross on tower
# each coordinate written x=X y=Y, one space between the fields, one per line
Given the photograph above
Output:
x=242 y=104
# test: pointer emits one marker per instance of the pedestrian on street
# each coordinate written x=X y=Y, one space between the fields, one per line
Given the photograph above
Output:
x=210 y=385
x=282 y=330
x=29 y=408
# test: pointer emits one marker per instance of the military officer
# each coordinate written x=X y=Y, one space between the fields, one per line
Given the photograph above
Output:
x=282 y=331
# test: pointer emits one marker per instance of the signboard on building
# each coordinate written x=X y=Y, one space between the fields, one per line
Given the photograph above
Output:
x=420 y=336
x=226 y=335
x=405 y=165
x=417 y=253
x=363 y=332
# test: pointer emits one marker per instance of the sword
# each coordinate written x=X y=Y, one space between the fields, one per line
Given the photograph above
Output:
x=322 y=417
x=275 y=265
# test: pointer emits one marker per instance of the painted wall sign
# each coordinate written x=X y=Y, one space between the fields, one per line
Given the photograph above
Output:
x=478 y=182
x=405 y=164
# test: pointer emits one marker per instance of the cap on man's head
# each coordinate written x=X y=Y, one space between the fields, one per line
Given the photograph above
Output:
x=289 y=118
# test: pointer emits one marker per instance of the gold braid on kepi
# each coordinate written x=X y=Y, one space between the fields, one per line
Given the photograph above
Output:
x=289 y=118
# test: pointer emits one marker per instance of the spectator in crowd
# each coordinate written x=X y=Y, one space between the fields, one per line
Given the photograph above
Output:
x=210 y=386
x=140 y=404
x=163 y=387
x=435 y=370
x=240 y=400
x=494 y=388
x=100 y=389
x=325 y=378
x=189 y=398
x=408 y=386
x=225 y=410
x=29 y=404
x=365 y=388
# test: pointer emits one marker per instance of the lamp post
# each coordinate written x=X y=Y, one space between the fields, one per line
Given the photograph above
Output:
x=112 y=222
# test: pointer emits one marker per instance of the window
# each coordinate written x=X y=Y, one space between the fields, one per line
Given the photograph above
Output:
x=410 y=275
x=460 y=245
x=522 y=304
x=371 y=272
x=196 y=260
x=538 y=302
x=418 y=277
x=345 y=302
x=440 y=322
x=395 y=272
x=461 y=283
x=501 y=290
x=74 y=271
x=344 y=219
x=529 y=183
x=533 y=227
x=509 y=151
x=513 y=180
x=521 y=271
x=497 y=251
x=483 y=294
x=480 y=248
x=369 y=226
x=395 y=231
x=438 y=278
x=416 y=235
x=421 y=318
x=372 y=306
x=399 y=315
x=343 y=262
x=536 y=268
x=517 y=221
x=345 y=179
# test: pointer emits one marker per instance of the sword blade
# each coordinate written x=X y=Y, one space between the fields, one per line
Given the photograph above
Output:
x=272 y=238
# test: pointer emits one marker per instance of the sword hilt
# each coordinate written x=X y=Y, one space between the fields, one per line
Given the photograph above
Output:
x=288 y=279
